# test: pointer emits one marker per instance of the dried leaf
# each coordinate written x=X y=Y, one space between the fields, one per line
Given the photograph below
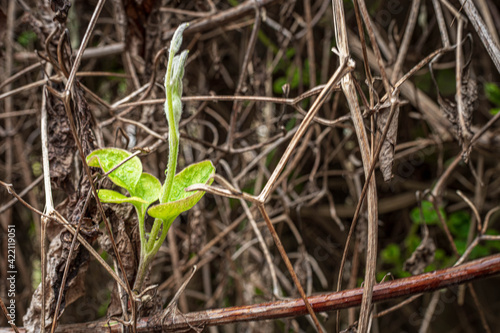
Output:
x=61 y=9
x=362 y=232
x=74 y=288
x=469 y=96
x=127 y=242
x=386 y=155
x=84 y=120
x=423 y=255
x=75 y=209
x=61 y=146
x=197 y=230
x=461 y=124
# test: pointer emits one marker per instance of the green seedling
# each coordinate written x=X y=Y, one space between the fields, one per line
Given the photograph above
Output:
x=143 y=188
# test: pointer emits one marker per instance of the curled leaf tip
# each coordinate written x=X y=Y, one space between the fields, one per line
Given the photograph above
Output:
x=175 y=45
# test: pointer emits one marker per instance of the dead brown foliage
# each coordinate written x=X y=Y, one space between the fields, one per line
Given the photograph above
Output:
x=319 y=151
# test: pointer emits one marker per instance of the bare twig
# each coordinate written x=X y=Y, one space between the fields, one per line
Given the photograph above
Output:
x=288 y=264
x=336 y=77
x=350 y=93
x=485 y=36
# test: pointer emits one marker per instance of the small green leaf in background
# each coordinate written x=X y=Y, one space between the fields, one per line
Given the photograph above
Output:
x=127 y=175
x=430 y=215
x=103 y=308
x=494 y=245
x=458 y=223
x=446 y=81
x=268 y=43
x=391 y=254
x=290 y=124
x=494 y=111
x=492 y=93
x=27 y=38
x=461 y=245
x=180 y=200
x=292 y=77
x=37 y=169
x=412 y=241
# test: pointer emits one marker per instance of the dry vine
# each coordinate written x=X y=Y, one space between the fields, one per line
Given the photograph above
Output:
x=309 y=141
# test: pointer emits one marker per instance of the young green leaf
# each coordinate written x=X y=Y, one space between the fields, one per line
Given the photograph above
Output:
x=110 y=196
x=148 y=188
x=178 y=70
x=199 y=173
x=127 y=175
x=180 y=200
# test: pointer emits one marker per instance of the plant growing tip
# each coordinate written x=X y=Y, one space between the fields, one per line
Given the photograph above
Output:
x=176 y=42
x=173 y=106
x=144 y=189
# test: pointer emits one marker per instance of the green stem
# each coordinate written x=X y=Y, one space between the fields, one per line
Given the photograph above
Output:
x=173 y=135
x=143 y=261
x=159 y=242
x=149 y=249
x=153 y=246
x=142 y=272
x=153 y=235
x=147 y=254
x=141 y=215
x=173 y=140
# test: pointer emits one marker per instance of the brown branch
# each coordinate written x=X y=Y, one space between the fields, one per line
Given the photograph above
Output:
x=482 y=31
x=477 y=269
x=364 y=146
